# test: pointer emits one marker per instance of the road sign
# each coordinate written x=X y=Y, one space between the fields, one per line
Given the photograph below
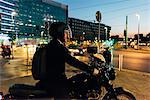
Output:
x=98 y=16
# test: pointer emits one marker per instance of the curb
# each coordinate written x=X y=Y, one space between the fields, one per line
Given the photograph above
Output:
x=132 y=71
x=138 y=51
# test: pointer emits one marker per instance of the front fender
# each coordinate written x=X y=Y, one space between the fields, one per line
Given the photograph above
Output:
x=112 y=94
x=118 y=89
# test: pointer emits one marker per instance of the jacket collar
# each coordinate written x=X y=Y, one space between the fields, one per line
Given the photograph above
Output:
x=60 y=42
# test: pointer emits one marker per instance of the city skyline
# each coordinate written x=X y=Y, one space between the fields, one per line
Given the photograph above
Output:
x=114 y=14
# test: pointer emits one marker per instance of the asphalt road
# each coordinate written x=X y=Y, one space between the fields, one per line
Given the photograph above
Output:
x=17 y=67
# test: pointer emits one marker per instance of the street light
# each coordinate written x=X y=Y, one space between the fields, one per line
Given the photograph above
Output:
x=138 y=16
x=83 y=36
x=13 y=29
x=13 y=13
x=13 y=21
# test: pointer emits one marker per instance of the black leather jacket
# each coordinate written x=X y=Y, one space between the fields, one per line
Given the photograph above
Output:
x=57 y=55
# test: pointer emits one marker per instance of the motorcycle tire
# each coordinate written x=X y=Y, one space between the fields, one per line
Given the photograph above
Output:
x=121 y=95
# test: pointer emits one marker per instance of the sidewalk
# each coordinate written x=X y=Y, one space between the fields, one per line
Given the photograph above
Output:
x=136 y=83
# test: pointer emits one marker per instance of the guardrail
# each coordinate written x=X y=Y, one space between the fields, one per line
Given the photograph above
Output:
x=123 y=62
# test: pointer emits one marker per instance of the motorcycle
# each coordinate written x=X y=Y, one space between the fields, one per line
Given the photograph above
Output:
x=87 y=86
x=83 y=85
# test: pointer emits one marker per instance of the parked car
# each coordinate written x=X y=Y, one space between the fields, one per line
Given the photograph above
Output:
x=76 y=50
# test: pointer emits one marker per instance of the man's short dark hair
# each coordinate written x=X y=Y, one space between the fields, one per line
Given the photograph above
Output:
x=56 y=29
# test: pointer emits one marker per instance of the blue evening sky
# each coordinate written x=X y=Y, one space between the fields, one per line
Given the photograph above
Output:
x=114 y=13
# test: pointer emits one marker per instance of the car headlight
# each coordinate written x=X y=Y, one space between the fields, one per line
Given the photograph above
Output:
x=76 y=50
x=73 y=50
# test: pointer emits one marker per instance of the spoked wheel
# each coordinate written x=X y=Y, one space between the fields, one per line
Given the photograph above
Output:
x=125 y=96
x=121 y=95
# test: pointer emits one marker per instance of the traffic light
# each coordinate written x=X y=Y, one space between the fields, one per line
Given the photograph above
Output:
x=125 y=33
x=98 y=16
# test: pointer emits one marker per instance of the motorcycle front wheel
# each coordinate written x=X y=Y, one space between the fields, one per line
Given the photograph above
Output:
x=121 y=95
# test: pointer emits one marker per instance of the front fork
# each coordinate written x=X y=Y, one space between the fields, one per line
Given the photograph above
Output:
x=111 y=91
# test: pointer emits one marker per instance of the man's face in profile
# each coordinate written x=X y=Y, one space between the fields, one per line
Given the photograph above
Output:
x=62 y=33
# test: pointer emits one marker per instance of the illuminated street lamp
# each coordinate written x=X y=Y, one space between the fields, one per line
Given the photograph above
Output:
x=13 y=29
x=13 y=21
x=13 y=13
x=138 y=16
x=83 y=36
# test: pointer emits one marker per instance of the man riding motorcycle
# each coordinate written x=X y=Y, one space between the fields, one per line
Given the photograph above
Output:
x=56 y=82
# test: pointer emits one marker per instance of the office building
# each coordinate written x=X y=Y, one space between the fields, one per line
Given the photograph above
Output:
x=6 y=11
x=85 y=30
x=30 y=18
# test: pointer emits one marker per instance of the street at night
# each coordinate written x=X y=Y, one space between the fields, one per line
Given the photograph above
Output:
x=18 y=66
x=16 y=69
x=75 y=49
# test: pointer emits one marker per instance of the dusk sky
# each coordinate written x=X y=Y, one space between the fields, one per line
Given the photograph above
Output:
x=114 y=13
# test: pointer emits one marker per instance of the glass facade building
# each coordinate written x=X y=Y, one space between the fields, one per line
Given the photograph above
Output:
x=34 y=16
x=88 y=30
x=30 y=18
x=6 y=9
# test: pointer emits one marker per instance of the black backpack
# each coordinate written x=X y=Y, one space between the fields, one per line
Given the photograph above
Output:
x=39 y=63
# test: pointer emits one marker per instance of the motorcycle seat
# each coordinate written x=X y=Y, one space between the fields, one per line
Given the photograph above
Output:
x=24 y=90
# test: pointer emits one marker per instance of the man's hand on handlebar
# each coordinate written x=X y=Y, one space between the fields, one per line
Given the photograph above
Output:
x=96 y=72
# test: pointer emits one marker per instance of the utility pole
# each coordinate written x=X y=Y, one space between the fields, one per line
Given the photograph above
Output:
x=138 y=30
x=98 y=18
x=99 y=31
x=126 y=38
